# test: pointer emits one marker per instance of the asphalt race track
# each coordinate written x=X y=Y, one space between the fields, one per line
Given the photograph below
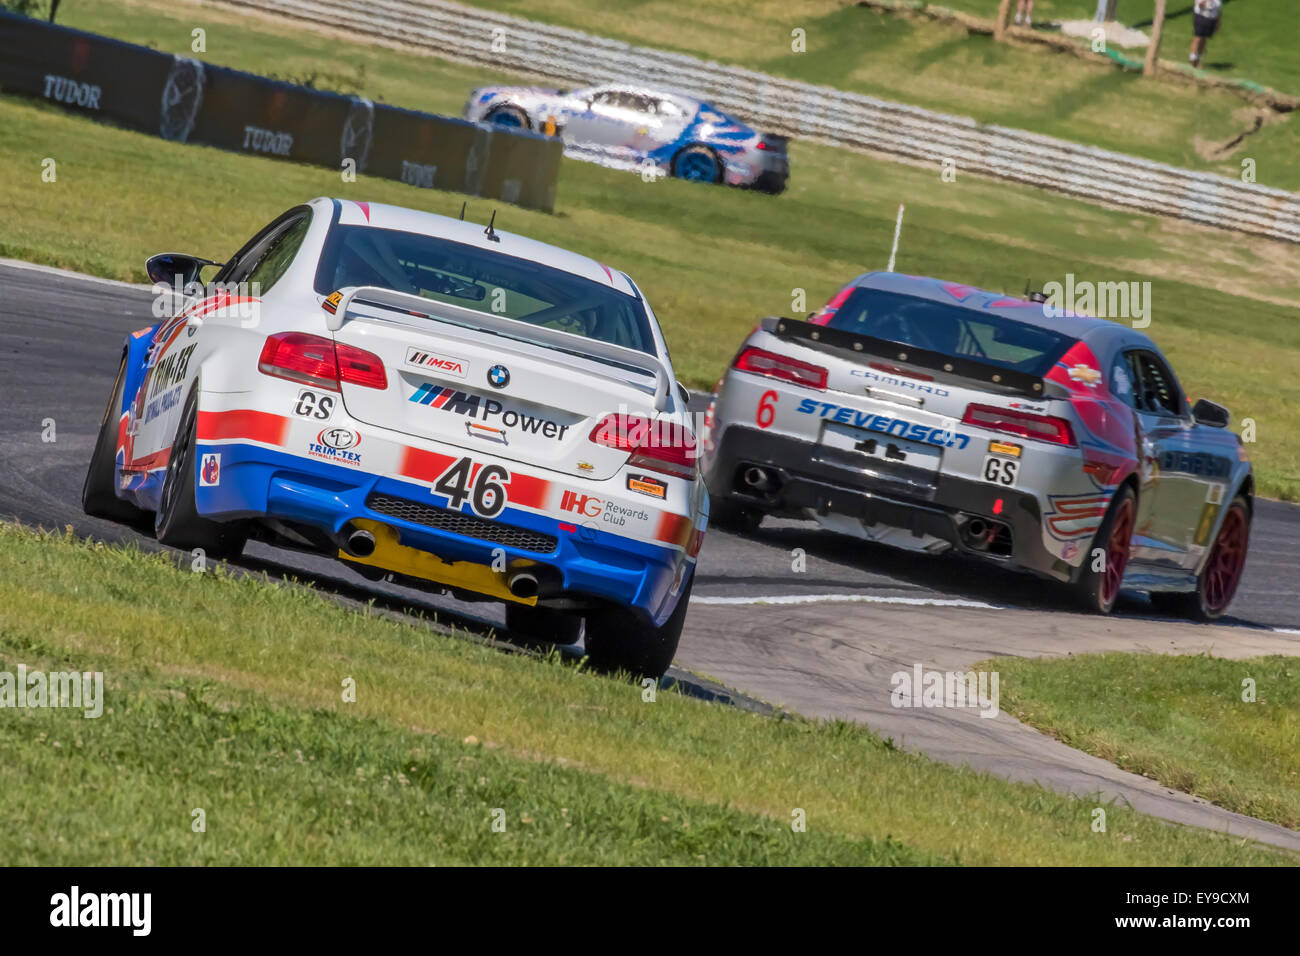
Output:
x=822 y=642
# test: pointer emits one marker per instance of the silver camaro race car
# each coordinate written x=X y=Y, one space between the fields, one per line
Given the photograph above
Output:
x=631 y=126
x=934 y=416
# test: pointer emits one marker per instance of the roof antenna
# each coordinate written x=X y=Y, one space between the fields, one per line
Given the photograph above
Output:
x=489 y=231
x=462 y=211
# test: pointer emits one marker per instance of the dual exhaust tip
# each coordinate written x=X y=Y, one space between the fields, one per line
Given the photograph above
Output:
x=978 y=533
x=761 y=480
x=360 y=543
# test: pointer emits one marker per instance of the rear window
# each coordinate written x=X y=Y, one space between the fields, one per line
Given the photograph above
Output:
x=485 y=281
x=951 y=330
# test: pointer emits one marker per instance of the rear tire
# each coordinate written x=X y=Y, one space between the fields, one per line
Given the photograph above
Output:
x=543 y=625
x=1097 y=590
x=698 y=164
x=1216 y=585
x=99 y=492
x=178 y=523
x=620 y=639
x=734 y=517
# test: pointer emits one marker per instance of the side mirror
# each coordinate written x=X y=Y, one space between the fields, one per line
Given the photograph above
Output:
x=167 y=268
x=1206 y=412
x=684 y=392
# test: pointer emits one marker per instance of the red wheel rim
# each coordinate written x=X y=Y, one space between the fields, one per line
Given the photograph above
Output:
x=1121 y=534
x=1223 y=569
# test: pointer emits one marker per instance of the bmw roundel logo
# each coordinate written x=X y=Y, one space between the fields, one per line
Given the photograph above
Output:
x=498 y=376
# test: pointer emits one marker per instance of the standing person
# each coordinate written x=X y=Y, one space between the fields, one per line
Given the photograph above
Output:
x=1205 y=22
x=1025 y=12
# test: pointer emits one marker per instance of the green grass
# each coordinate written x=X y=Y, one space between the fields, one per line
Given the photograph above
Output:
x=1178 y=720
x=1255 y=39
x=712 y=261
x=224 y=693
x=938 y=65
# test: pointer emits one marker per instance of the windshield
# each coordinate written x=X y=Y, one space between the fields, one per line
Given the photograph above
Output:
x=485 y=281
x=951 y=330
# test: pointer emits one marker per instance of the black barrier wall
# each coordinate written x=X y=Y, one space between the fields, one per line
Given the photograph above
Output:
x=190 y=101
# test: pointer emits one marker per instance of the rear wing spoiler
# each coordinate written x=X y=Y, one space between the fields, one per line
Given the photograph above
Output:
x=460 y=317
x=994 y=376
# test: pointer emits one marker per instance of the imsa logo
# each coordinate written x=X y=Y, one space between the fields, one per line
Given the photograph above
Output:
x=442 y=364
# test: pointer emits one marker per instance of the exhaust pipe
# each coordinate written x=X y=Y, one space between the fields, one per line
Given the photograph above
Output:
x=523 y=585
x=359 y=544
x=758 y=479
x=976 y=533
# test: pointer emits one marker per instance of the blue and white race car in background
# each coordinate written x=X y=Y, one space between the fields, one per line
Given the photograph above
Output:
x=633 y=126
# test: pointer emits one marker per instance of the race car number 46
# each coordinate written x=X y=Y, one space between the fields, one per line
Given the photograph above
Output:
x=483 y=487
x=1000 y=471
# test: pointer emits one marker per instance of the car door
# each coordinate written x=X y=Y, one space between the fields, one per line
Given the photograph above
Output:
x=667 y=121
x=177 y=350
x=1173 y=491
x=600 y=124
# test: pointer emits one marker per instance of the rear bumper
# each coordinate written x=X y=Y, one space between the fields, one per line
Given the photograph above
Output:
x=811 y=478
x=258 y=482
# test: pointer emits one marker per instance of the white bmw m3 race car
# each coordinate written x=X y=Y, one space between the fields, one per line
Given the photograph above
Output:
x=933 y=416
x=630 y=124
x=427 y=400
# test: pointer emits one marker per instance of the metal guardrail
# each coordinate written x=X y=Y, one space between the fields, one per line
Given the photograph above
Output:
x=820 y=113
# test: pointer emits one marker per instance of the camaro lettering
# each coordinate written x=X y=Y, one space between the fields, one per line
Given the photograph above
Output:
x=912 y=431
x=898 y=382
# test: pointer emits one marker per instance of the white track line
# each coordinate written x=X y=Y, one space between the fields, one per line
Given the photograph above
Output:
x=788 y=599
x=852 y=598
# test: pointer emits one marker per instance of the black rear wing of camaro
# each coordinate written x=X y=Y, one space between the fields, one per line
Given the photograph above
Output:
x=986 y=374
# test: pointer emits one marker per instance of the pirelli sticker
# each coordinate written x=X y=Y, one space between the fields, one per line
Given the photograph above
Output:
x=1008 y=448
x=331 y=303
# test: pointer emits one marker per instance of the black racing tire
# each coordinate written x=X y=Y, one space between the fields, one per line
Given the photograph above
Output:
x=99 y=492
x=692 y=155
x=732 y=516
x=178 y=523
x=511 y=116
x=1096 y=590
x=621 y=639
x=1216 y=585
x=543 y=625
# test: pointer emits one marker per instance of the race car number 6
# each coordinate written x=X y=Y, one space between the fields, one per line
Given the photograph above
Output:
x=766 y=412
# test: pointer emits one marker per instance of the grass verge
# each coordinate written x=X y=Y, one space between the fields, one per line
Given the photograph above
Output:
x=711 y=260
x=1180 y=720
x=224 y=693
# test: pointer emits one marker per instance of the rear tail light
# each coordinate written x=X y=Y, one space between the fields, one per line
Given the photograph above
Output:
x=762 y=362
x=316 y=360
x=665 y=447
x=360 y=367
x=1048 y=428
